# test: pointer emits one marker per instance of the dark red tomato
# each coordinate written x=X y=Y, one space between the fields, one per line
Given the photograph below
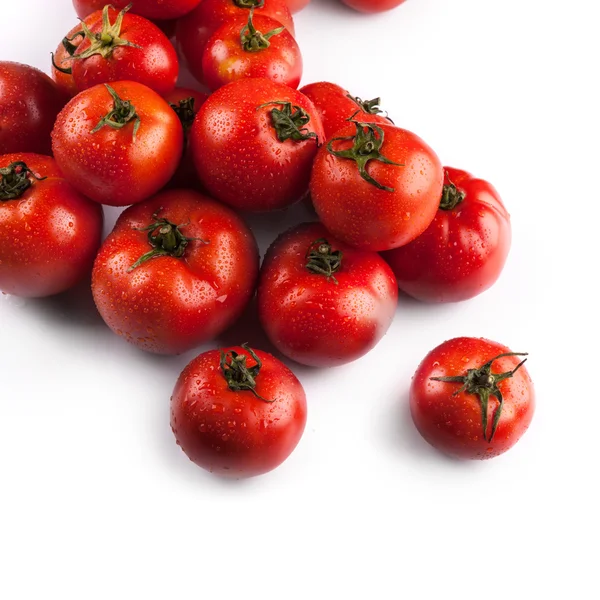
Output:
x=238 y=412
x=175 y=272
x=323 y=303
x=120 y=46
x=472 y=398
x=49 y=233
x=29 y=103
x=372 y=6
x=186 y=103
x=195 y=29
x=151 y=9
x=297 y=5
x=254 y=142
x=118 y=144
x=463 y=251
x=376 y=187
x=336 y=106
x=254 y=47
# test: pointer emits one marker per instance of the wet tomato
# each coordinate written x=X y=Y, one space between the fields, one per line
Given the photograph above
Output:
x=238 y=412
x=151 y=9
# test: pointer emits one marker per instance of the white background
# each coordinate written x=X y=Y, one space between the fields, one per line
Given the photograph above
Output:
x=97 y=501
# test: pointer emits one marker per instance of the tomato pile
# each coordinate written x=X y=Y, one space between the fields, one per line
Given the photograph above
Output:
x=180 y=266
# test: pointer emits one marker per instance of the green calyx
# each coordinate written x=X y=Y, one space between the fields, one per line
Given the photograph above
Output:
x=289 y=122
x=253 y=40
x=122 y=113
x=165 y=238
x=186 y=111
x=371 y=107
x=15 y=180
x=249 y=3
x=323 y=260
x=451 y=196
x=105 y=41
x=70 y=49
x=240 y=377
x=367 y=144
x=483 y=383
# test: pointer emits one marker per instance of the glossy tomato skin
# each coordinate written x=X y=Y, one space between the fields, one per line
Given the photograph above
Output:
x=225 y=59
x=49 y=235
x=462 y=253
x=237 y=153
x=336 y=105
x=452 y=422
x=110 y=166
x=297 y=5
x=154 y=63
x=151 y=9
x=234 y=433
x=29 y=103
x=169 y=305
x=320 y=321
x=373 y=6
x=196 y=28
x=369 y=218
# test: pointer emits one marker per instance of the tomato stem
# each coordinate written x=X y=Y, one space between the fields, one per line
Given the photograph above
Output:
x=484 y=384
x=371 y=107
x=249 y=3
x=451 y=196
x=122 y=113
x=253 y=40
x=323 y=260
x=186 y=112
x=15 y=180
x=289 y=122
x=238 y=375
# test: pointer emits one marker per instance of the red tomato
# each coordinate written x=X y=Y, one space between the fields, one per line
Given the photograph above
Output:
x=323 y=303
x=186 y=103
x=252 y=47
x=175 y=272
x=254 y=142
x=151 y=9
x=120 y=46
x=297 y=5
x=118 y=144
x=49 y=233
x=372 y=6
x=29 y=103
x=238 y=412
x=463 y=251
x=376 y=187
x=472 y=398
x=336 y=106
x=195 y=29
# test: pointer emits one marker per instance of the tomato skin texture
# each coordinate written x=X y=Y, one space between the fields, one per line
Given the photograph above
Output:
x=49 y=236
x=453 y=423
x=236 y=434
x=363 y=216
x=313 y=320
x=29 y=103
x=373 y=6
x=153 y=64
x=225 y=59
x=237 y=154
x=335 y=107
x=109 y=166
x=169 y=305
x=151 y=9
x=462 y=253
x=196 y=28
x=297 y=5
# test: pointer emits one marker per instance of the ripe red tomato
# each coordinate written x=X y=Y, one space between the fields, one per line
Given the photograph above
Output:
x=196 y=28
x=254 y=142
x=463 y=251
x=238 y=412
x=472 y=398
x=186 y=103
x=29 y=103
x=151 y=9
x=376 y=187
x=175 y=272
x=297 y=5
x=323 y=303
x=118 y=144
x=49 y=233
x=336 y=106
x=372 y=6
x=120 y=46
x=251 y=47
